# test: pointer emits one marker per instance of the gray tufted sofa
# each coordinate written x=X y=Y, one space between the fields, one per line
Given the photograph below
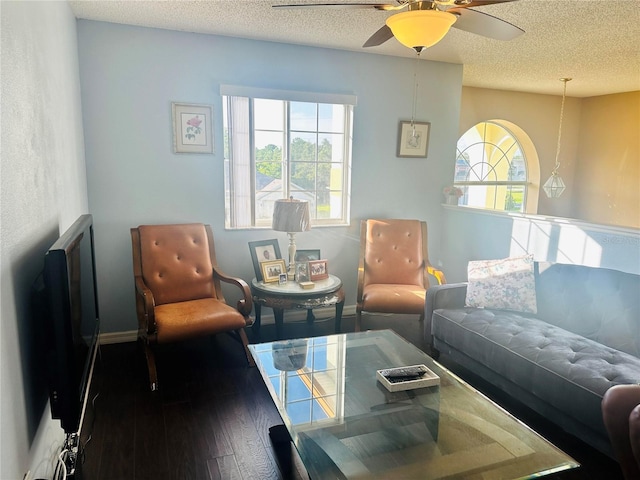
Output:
x=559 y=362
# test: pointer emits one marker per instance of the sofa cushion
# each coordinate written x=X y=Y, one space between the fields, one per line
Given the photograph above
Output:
x=507 y=284
x=564 y=369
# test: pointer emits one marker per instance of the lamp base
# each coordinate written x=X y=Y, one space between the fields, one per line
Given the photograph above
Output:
x=291 y=272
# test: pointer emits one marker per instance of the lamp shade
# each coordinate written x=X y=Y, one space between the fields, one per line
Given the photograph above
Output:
x=289 y=355
x=554 y=186
x=291 y=215
x=420 y=28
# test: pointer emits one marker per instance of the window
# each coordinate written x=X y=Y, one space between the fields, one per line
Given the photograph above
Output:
x=278 y=147
x=491 y=169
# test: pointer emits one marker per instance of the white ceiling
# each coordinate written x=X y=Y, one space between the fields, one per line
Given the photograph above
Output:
x=595 y=42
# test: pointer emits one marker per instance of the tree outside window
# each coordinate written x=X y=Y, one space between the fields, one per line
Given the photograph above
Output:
x=276 y=149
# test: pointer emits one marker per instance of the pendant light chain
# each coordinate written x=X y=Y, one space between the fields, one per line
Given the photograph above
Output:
x=554 y=186
x=415 y=94
x=564 y=94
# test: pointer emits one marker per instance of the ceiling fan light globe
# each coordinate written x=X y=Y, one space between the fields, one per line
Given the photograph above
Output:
x=420 y=28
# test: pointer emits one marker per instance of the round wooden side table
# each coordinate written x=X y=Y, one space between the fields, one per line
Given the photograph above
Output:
x=290 y=295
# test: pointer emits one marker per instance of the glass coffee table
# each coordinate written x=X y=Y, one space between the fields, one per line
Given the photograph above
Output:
x=345 y=424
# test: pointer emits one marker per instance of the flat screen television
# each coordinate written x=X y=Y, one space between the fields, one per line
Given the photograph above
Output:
x=72 y=323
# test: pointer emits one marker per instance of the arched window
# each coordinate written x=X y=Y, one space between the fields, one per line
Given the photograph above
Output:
x=493 y=168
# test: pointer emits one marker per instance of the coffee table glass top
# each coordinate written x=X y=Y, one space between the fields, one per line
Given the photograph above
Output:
x=346 y=424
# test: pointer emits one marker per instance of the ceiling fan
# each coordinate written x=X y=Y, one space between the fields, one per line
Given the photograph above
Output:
x=424 y=23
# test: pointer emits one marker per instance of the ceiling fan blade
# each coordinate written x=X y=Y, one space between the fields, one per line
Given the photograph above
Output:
x=378 y=38
x=484 y=24
x=377 y=6
x=481 y=3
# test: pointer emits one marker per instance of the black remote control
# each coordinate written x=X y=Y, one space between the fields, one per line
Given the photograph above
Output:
x=404 y=372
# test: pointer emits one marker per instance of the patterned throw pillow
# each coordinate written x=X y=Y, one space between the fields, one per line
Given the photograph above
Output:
x=506 y=284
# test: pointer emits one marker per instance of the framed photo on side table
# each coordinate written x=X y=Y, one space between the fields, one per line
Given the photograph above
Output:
x=263 y=250
x=413 y=140
x=318 y=270
x=302 y=272
x=272 y=269
x=192 y=128
x=306 y=255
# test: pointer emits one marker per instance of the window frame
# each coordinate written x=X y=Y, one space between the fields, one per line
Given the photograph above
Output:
x=347 y=102
x=529 y=158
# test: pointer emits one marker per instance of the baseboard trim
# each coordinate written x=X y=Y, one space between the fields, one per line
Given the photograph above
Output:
x=118 y=337
x=291 y=315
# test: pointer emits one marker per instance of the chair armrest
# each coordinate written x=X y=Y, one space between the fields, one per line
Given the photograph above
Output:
x=145 y=305
x=245 y=304
x=452 y=295
x=437 y=273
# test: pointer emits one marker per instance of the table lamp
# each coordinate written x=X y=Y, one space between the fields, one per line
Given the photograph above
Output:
x=291 y=216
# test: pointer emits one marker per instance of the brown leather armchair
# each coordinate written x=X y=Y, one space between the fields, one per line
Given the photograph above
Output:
x=394 y=268
x=177 y=288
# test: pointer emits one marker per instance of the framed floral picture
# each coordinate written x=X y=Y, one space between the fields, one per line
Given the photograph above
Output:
x=192 y=128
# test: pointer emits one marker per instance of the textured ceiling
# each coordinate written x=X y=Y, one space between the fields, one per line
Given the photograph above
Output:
x=595 y=42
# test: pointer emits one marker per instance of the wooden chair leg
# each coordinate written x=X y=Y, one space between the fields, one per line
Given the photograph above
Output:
x=245 y=344
x=151 y=365
x=358 y=325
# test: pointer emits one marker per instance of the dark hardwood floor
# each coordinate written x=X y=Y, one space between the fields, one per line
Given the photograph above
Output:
x=211 y=416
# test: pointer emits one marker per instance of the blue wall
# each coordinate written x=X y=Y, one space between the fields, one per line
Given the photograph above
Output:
x=129 y=78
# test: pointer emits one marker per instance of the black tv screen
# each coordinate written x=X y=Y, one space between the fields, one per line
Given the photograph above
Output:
x=72 y=321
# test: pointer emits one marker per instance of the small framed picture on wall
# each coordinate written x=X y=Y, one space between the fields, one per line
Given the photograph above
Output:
x=192 y=128
x=413 y=139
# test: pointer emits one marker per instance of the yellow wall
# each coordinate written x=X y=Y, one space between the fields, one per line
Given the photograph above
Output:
x=608 y=179
x=600 y=139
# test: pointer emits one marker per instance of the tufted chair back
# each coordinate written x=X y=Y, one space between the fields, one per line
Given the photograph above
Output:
x=393 y=252
x=394 y=268
x=176 y=262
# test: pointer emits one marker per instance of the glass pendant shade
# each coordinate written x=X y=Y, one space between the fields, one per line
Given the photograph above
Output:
x=554 y=186
x=420 y=28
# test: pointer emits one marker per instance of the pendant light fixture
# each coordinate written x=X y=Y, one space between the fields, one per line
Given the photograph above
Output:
x=555 y=185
